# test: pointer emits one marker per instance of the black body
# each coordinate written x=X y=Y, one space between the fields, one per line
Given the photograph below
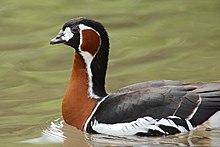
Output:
x=160 y=99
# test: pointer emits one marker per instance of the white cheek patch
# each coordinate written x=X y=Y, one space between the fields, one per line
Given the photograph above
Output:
x=67 y=34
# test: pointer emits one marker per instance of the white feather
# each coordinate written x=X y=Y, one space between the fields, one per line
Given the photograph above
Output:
x=88 y=60
x=84 y=27
x=93 y=112
x=170 y=123
x=142 y=125
x=196 y=108
x=131 y=128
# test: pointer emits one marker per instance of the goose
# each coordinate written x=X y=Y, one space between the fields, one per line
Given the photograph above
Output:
x=151 y=108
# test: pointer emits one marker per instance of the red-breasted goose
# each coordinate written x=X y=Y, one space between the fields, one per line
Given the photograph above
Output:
x=149 y=108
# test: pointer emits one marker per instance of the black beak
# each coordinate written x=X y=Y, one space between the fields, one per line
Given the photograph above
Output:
x=58 y=39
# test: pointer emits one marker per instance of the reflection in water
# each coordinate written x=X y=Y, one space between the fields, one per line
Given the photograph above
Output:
x=52 y=134
x=185 y=139
x=58 y=131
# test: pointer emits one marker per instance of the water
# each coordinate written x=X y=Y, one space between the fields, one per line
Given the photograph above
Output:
x=56 y=131
x=150 y=40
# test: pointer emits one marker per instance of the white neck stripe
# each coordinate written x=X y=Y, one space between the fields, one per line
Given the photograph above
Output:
x=88 y=60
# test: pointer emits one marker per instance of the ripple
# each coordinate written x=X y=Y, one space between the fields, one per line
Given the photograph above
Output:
x=201 y=138
x=56 y=131
x=51 y=134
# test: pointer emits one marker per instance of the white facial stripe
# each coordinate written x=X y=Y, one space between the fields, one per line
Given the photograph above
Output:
x=88 y=60
x=67 y=34
x=84 y=27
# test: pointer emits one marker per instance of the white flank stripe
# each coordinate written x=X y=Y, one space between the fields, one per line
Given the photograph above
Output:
x=141 y=125
x=170 y=123
x=131 y=128
x=182 y=129
x=189 y=125
x=93 y=112
x=196 y=108
x=172 y=116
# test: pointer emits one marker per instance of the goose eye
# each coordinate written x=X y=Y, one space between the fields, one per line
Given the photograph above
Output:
x=75 y=29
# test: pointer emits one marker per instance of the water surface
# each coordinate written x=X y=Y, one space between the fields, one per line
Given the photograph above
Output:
x=176 y=39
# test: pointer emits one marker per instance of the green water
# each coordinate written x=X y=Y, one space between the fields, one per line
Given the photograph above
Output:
x=173 y=39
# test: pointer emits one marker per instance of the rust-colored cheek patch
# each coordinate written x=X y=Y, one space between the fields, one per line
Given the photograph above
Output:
x=90 y=41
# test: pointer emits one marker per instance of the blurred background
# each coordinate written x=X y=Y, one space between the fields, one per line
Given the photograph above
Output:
x=173 y=39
